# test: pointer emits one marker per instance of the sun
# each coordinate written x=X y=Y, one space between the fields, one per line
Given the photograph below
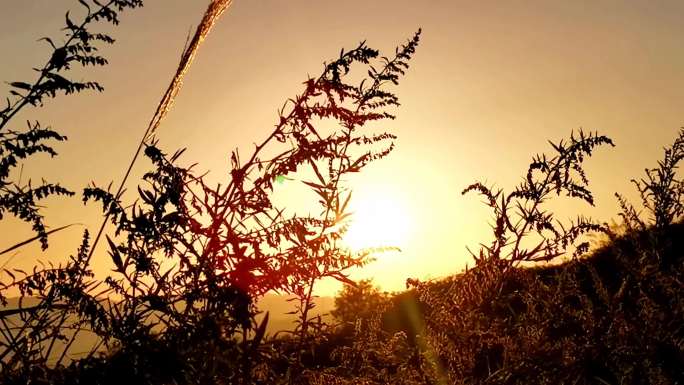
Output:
x=378 y=220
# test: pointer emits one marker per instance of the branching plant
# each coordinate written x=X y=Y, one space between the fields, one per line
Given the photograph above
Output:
x=661 y=192
x=80 y=48
x=189 y=259
x=520 y=218
x=523 y=230
x=229 y=245
x=28 y=335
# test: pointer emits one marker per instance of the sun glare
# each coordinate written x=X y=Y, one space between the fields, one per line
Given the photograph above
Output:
x=378 y=221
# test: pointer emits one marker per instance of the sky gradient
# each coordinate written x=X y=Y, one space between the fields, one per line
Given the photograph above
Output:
x=490 y=84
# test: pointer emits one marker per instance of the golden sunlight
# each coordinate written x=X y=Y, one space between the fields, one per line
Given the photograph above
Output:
x=378 y=220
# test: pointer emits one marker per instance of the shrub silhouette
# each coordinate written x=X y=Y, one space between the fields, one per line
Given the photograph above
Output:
x=16 y=145
x=189 y=259
x=357 y=303
x=520 y=215
x=661 y=192
x=28 y=338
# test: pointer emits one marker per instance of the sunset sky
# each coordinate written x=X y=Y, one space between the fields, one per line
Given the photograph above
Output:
x=491 y=83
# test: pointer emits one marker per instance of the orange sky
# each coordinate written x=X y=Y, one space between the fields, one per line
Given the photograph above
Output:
x=490 y=84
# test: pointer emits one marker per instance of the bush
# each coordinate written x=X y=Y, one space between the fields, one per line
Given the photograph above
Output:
x=190 y=260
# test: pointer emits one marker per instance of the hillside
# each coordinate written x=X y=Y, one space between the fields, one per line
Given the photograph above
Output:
x=613 y=317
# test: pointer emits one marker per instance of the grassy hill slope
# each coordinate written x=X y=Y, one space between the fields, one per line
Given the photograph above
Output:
x=614 y=317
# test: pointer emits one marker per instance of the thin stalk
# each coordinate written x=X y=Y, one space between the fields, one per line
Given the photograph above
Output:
x=21 y=103
x=211 y=15
x=67 y=347
x=32 y=239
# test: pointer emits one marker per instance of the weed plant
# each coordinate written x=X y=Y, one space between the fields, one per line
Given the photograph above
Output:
x=190 y=260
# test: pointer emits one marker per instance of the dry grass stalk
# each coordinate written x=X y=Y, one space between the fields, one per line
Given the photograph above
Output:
x=211 y=15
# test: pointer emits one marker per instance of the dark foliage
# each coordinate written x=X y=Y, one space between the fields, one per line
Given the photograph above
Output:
x=356 y=304
x=189 y=259
x=80 y=48
x=661 y=191
x=612 y=317
x=520 y=216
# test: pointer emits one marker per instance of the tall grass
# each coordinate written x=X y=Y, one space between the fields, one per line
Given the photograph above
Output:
x=211 y=15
